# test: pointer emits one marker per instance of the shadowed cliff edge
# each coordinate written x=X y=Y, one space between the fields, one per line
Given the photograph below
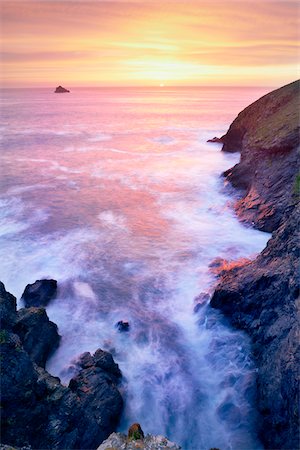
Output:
x=262 y=297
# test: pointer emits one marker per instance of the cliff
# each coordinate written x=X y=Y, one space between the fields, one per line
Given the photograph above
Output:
x=267 y=135
x=262 y=297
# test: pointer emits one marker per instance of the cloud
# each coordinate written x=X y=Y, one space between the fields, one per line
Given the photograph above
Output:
x=104 y=42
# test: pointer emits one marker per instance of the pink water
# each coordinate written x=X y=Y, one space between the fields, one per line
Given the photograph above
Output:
x=116 y=194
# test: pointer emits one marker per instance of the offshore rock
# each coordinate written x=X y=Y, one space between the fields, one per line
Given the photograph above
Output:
x=39 y=293
x=119 y=441
x=60 y=90
x=262 y=296
x=267 y=135
x=122 y=326
x=37 y=410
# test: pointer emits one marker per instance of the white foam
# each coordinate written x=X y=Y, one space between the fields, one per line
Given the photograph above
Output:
x=112 y=219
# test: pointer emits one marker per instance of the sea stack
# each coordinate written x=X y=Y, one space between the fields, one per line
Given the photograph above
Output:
x=60 y=90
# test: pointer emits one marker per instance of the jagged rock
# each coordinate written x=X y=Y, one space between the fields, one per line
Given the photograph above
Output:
x=60 y=90
x=37 y=410
x=267 y=135
x=96 y=388
x=39 y=335
x=39 y=293
x=200 y=301
x=262 y=297
x=8 y=308
x=216 y=140
x=119 y=441
x=122 y=326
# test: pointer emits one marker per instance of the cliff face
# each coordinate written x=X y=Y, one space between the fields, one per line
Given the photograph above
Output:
x=267 y=135
x=263 y=297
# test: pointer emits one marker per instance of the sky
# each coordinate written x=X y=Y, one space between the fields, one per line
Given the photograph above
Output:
x=149 y=42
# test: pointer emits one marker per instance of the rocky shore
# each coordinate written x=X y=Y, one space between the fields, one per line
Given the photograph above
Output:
x=262 y=297
x=37 y=410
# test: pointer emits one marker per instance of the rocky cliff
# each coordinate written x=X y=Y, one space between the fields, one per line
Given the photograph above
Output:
x=36 y=409
x=262 y=297
x=267 y=135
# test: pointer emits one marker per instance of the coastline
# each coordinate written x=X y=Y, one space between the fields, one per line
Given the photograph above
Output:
x=262 y=297
x=243 y=294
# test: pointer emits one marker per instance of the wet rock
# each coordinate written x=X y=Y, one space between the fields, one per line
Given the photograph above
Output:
x=230 y=413
x=119 y=441
x=200 y=301
x=263 y=299
x=96 y=388
x=60 y=90
x=8 y=308
x=135 y=432
x=122 y=326
x=39 y=293
x=37 y=410
x=39 y=335
x=216 y=140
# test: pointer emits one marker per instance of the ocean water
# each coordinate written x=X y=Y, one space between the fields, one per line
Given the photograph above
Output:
x=117 y=195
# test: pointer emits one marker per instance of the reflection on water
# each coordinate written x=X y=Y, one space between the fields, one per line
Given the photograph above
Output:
x=117 y=195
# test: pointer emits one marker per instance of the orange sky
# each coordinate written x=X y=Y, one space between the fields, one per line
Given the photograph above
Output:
x=140 y=42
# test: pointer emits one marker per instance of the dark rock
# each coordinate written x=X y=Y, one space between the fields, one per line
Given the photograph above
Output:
x=8 y=308
x=122 y=326
x=230 y=413
x=60 y=90
x=37 y=410
x=39 y=335
x=216 y=140
x=267 y=135
x=200 y=301
x=96 y=389
x=263 y=298
x=39 y=293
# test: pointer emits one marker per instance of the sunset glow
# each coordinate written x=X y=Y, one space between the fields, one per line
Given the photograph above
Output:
x=149 y=42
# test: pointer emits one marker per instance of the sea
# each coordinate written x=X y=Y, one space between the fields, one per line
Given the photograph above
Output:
x=116 y=194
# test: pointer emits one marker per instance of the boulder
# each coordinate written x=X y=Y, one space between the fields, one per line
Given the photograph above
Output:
x=122 y=326
x=96 y=388
x=39 y=293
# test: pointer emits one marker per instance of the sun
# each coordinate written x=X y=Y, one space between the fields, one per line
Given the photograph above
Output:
x=161 y=85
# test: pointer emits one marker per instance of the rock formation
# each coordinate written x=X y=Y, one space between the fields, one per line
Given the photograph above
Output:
x=60 y=90
x=262 y=297
x=39 y=293
x=37 y=410
x=267 y=135
x=135 y=440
